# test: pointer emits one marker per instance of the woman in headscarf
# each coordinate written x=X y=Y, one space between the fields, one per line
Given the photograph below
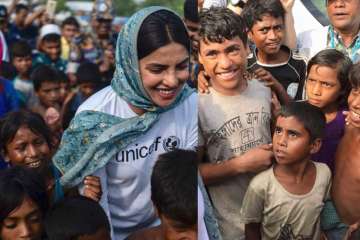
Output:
x=148 y=110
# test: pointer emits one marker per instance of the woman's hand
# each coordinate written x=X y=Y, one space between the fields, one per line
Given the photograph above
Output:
x=92 y=188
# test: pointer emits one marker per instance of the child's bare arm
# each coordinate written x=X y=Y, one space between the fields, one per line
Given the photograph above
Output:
x=252 y=231
x=254 y=160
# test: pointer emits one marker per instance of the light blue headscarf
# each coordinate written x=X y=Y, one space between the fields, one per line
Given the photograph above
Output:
x=94 y=138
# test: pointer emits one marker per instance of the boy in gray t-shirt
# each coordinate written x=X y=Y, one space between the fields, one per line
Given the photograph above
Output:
x=234 y=118
x=285 y=201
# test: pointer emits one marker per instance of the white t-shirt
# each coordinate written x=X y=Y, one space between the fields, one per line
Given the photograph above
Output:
x=125 y=180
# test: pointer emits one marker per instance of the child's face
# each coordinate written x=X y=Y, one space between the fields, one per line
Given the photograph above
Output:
x=225 y=63
x=291 y=141
x=52 y=49
x=193 y=30
x=22 y=64
x=102 y=234
x=87 y=89
x=28 y=149
x=49 y=94
x=25 y=222
x=69 y=32
x=323 y=87
x=268 y=34
x=354 y=107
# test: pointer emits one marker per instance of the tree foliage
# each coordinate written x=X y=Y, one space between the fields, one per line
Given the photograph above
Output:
x=128 y=7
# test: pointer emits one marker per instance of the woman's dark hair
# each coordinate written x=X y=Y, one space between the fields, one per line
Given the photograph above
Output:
x=335 y=59
x=17 y=183
x=13 y=121
x=159 y=29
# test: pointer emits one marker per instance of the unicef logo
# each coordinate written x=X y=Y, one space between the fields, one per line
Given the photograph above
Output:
x=171 y=143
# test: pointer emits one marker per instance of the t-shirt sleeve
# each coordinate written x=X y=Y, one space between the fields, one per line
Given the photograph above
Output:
x=253 y=204
x=329 y=183
x=192 y=138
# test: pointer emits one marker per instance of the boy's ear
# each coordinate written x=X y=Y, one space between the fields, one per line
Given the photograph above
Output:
x=315 y=145
x=199 y=56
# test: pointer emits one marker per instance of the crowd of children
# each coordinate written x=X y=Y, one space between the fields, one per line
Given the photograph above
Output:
x=98 y=135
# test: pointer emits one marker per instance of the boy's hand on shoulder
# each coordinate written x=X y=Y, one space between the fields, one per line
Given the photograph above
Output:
x=266 y=77
x=256 y=159
x=92 y=188
x=203 y=82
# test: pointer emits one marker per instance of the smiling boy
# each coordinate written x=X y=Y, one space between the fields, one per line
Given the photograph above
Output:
x=271 y=60
x=234 y=118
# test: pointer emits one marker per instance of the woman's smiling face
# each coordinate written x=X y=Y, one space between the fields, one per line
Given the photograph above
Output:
x=164 y=72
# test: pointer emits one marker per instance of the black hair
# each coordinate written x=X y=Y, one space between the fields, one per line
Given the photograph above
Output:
x=337 y=60
x=43 y=73
x=86 y=218
x=310 y=116
x=20 y=49
x=17 y=183
x=174 y=187
x=354 y=75
x=63 y=78
x=255 y=10
x=191 y=12
x=159 y=29
x=7 y=70
x=52 y=37
x=13 y=121
x=88 y=72
x=20 y=7
x=218 y=24
x=70 y=21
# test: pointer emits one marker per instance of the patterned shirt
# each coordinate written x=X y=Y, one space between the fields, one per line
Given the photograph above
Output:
x=334 y=40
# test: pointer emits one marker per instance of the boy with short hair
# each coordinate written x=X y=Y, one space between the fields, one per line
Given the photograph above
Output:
x=50 y=48
x=234 y=118
x=272 y=61
x=285 y=201
x=77 y=218
x=174 y=194
x=22 y=61
x=47 y=88
x=69 y=29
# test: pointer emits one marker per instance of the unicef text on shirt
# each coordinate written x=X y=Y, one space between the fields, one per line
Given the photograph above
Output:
x=139 y=152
